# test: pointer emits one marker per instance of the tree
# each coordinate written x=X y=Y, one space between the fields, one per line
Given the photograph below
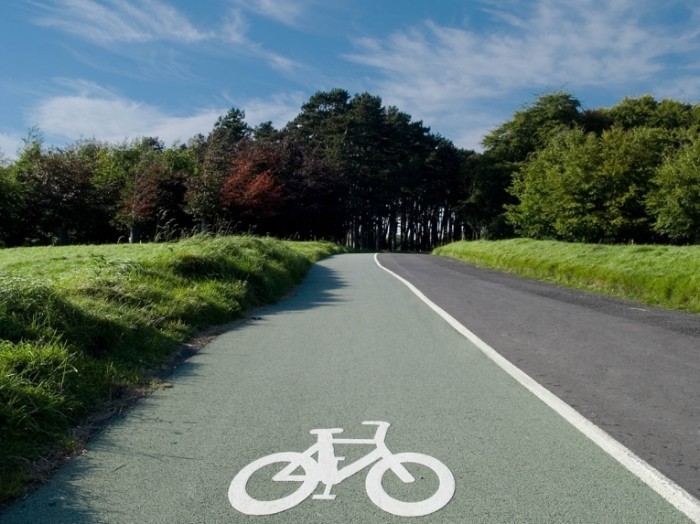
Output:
x=634 y=112
x=674 y=201
x=646 y=111
x=10 y=205
x=204 y=190
x=508 y=148
x=61 y=203
x=252 y=191
x=139 y=174
x=531 y=128
x=586 y=188
x=266 y=131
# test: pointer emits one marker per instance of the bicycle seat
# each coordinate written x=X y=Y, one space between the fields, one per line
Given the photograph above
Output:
x=332 y=431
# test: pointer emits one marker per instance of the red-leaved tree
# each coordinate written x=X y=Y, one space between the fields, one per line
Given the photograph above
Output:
x=253 y=192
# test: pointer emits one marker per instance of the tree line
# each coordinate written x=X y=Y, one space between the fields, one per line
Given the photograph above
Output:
x=350 y=170
x=629 y=173
x=346 y=169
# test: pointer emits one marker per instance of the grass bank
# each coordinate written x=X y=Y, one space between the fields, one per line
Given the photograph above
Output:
x=666 y=276
x=80 y=325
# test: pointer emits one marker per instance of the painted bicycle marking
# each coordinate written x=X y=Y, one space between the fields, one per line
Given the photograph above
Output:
x=324 y=469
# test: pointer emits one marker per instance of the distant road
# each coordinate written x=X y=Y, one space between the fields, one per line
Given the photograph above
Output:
x=250 y=430
x=633 y=370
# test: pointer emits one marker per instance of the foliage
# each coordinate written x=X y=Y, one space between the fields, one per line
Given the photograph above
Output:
x=59 y=202
x=509 y=147
x=390 y=171
x=588 y=188
x=675 y=198
x=10 y=203
x=646 y=111
x=349 y=169
x=204 y=188
x=531 y=128
x=252 y=191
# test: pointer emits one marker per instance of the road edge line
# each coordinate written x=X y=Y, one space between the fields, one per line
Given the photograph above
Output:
x=660 y=483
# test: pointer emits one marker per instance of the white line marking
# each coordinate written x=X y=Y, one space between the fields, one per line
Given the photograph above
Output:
x=652 y=477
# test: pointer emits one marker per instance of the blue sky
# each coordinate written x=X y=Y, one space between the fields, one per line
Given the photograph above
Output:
x=120 y=69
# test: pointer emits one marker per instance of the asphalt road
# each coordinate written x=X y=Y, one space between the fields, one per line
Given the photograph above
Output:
x=352 y=344
x=631 y=369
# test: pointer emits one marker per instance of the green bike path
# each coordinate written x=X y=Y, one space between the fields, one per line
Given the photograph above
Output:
x=352 y=344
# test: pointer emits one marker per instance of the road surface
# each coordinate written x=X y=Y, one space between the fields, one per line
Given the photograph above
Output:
x=633 y=370
x=352 y=345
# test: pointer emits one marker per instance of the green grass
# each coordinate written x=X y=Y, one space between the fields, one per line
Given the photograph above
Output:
x=665 y=276
x=80 y=325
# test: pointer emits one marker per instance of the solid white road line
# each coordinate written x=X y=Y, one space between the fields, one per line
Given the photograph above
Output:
x=652 y=477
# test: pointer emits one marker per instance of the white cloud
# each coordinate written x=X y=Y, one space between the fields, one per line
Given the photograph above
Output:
x=235 y=27
x=9 y=145
x=278 y=109
x=120 y=21
x=93 y=111
x=686 y=89
x=434 y=71
x=114 y=119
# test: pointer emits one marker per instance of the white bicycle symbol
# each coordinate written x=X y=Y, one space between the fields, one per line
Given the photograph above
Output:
x=325 y=470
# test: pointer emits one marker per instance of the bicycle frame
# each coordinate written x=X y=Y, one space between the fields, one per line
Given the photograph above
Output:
x=327 y=463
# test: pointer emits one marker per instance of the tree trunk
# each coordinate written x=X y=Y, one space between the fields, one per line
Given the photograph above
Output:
x=134 y=234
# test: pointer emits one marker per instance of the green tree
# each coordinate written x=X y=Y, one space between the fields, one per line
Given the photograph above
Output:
x=10 y=205
x=138 y=173
x=582 y=187
x=508 y=148
x=634 y=112
x=674 y=201
x=531 y=128
x=61 y=204
x=322 y=126
x=204 y=189
x=646 y=111
x=266 y=131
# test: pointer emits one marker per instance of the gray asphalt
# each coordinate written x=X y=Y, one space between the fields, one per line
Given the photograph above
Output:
x=632 y=369
x=352 y=344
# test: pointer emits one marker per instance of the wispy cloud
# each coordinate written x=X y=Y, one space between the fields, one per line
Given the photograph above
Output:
x=685 y=88
x=528 y=45
x=235 y=29
x=288 y=12
x=120 y=21
x=278 y=109
x=114 y=24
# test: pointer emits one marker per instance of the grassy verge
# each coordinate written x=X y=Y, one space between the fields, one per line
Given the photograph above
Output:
x=80 y=325
x=666 y=276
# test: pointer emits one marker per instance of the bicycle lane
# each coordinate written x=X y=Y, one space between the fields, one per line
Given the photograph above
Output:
x=352 y=344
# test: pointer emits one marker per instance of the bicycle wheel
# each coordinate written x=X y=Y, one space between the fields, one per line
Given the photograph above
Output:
x=377 y=494
x=240 y=500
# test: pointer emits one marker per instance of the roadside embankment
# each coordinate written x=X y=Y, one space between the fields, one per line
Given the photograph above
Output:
x=665 y=276
x=82 y=326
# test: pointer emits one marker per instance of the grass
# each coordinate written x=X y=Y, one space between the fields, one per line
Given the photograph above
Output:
x=80 y=325
x=665 y=276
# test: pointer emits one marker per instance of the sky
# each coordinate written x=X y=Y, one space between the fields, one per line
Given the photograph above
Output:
x=116 y=70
